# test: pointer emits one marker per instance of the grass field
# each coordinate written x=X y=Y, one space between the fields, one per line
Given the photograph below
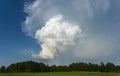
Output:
x=61 y=74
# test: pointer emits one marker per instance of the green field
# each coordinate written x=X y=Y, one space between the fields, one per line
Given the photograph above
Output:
x=61 y=74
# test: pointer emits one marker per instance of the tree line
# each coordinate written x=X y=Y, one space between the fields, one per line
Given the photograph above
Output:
x=30 y=66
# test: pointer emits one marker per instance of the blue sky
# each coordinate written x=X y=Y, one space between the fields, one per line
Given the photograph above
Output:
x=98 y=20
x=12 y=39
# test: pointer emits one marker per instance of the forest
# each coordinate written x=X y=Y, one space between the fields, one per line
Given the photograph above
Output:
x=31 y=66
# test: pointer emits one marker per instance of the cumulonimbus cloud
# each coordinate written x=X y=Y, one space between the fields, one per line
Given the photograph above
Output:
x=57 y=35
x=76 y=27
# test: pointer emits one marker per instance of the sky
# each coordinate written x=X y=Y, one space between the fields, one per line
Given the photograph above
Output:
x=12 y=40
x=59 y=31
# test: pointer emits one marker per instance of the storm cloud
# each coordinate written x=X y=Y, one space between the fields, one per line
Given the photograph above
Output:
x=73 y=28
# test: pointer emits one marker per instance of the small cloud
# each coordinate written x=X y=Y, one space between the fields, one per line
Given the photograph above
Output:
x=27 y=52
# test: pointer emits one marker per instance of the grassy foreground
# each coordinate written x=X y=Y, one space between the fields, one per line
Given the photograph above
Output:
x=61 y=74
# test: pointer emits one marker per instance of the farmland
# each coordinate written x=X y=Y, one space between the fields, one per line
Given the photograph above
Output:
x=61 y=74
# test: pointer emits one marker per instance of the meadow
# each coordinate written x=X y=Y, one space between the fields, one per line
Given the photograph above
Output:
x=61 y=74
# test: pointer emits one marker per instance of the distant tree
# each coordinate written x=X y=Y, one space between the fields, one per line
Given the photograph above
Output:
x=3 y=69
x=97 y=68
x=110 y=67
x=78 y=66
x=90 y=67
x=53 y=68
x=117 y=68
x=42 y=67
x=74 y=67
x=103 y=67
x=94 y=67
x=83 y=66
x=62 y=68
x=30 y=66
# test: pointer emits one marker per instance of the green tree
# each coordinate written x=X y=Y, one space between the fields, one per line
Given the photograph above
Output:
x=3 y=69
x=103 y=67
x=110 y=67
x=117 y=68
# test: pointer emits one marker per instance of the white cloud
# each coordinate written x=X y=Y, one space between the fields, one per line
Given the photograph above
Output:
x=58 y=36
x=27 y=52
